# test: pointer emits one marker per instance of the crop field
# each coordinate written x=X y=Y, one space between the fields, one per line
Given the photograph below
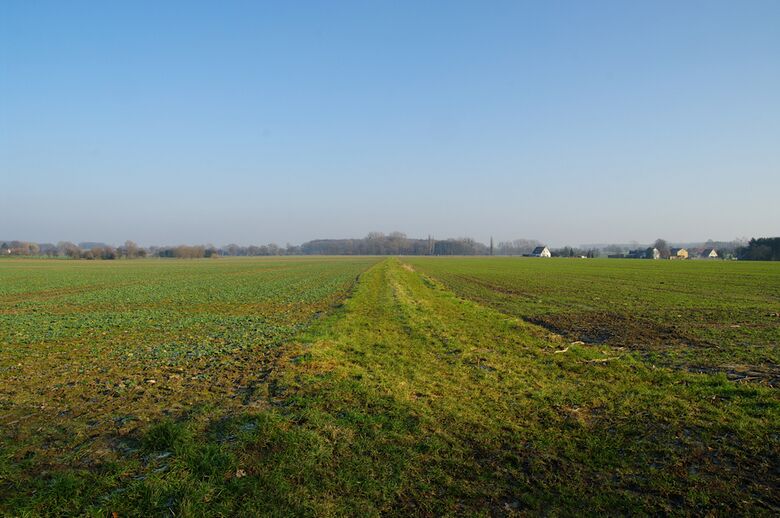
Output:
x=711 y=316
x=388 y=386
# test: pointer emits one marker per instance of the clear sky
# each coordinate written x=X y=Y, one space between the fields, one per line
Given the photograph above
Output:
x=250 y=122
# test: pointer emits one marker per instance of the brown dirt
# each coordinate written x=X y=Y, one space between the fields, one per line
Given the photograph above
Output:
x=598 y=327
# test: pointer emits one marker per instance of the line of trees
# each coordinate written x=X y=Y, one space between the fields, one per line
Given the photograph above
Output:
x=185 y=252
x=395 y=243
x=568 y=251
x=761 y=249
x=375 y=243
x=129 y=250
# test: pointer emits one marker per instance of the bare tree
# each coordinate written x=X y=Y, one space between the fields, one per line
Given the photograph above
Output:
x=68 y=249
x=663 y=248
x=130 y=250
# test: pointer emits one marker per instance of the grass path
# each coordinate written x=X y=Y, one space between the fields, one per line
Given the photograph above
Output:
x=408 y=400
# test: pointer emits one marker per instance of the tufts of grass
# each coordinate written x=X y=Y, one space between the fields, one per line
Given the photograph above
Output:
x=167 y=435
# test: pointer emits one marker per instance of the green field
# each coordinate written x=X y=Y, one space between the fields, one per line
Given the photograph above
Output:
x=716 y=316
x=398 y=386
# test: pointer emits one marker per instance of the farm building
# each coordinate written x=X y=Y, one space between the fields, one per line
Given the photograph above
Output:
x=679 y=253
x=541 y=251
x=708 y=253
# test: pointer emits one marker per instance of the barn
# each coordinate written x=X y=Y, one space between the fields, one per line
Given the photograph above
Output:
x=541 y=251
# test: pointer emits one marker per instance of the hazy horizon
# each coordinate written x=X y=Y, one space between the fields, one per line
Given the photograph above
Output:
x=569 y=123
x=282 y=243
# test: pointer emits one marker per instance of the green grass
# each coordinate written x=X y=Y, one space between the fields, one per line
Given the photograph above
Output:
x=406 y=398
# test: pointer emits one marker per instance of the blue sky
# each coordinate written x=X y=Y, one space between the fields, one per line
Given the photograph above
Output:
x=251 y=122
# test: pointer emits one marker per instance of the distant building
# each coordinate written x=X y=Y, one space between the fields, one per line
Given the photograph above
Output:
x=541 y=251
x=679 y=253
x=708 y=253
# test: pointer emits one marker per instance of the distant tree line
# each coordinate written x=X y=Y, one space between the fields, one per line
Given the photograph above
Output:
x=129 y=250
x=761 y=249
x=568 y=251
x=183 y=252
x=395 y=243
x=375 y=243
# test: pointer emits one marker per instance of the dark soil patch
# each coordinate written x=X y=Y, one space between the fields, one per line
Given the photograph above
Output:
x=601 y=327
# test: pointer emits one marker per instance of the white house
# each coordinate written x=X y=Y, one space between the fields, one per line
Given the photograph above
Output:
x=541 y=251
x=708 y=253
